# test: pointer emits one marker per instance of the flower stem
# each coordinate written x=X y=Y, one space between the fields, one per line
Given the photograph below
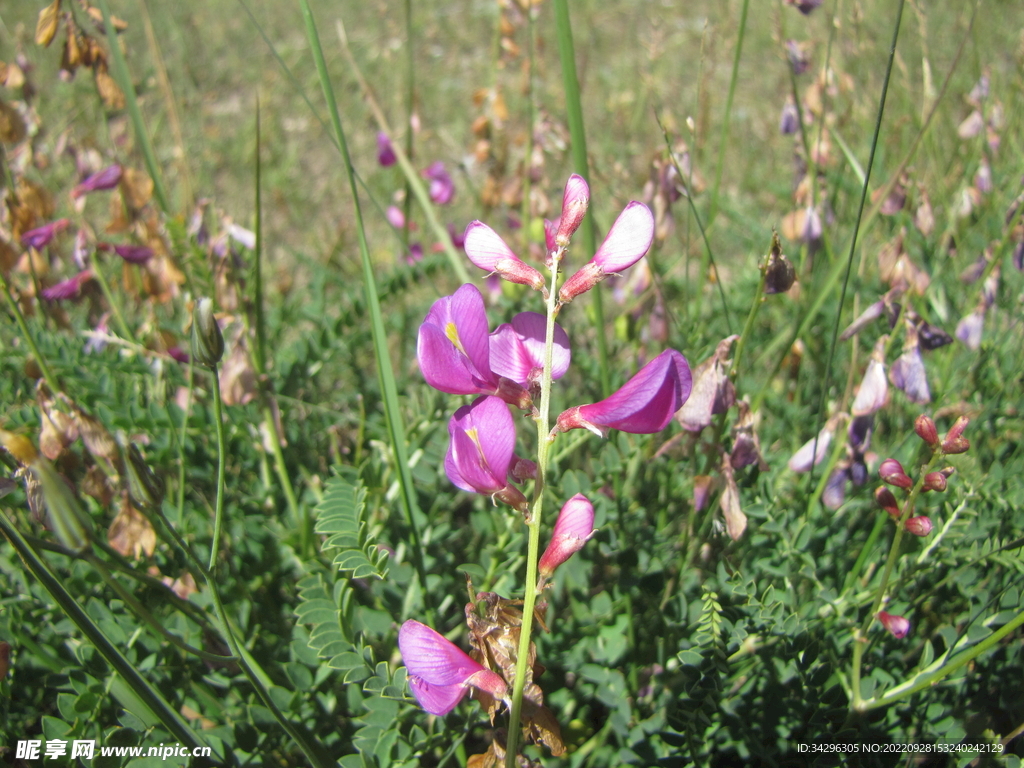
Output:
x=218 y=518
x=533 y=523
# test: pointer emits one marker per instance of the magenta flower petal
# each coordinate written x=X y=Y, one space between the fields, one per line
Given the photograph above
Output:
x=645 y=404
x=483 y=439
x=68 y=289
x=442 y=188
x=487 y=250
x=108 y=178
x=385 y=152
x=574 y=526
x=41 y=236
x=453 y=347
x=439 y=672
x=134 y=254
x=517 y=349
x=575 y=200
x=628 y=240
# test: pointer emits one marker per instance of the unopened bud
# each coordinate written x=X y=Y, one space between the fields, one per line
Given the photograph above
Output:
x=589 y=275
x=887 y=501
x=891 y=472
x=523 y=469
x=897 y=626
x=935 y=481
x=925 y=429
x=514 y=498
x=575 y=200
x=145 y=488
x=574 y=526
x=207 y=341
x=779 y=272
x=920 y=525
x=955 y=442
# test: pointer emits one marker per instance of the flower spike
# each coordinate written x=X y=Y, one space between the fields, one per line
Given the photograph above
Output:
x=645 y=404
x=440 y=673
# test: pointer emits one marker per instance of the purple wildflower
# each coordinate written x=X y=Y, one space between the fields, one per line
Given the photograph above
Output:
x=487 y=250
x=440 y=673
x=385 y=152
x=645 y=404
x=40 y=237
x=483 y=439
x=517 y=349
x=442 y=188
x=108 y=178
x=69 y=289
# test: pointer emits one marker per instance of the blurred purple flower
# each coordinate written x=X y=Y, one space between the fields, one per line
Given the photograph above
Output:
x=440 y=673
x=574 y=526
x=68 y=289
x=517 y=349
x=395 y=216
x=489 y=252
x=480 y=453
x=415 y=254
x=133 y=254
x=645 y=404
x=453 y=349
x=969 y=329
x=897 y=626
x=458 y=236
x=789 y=120
x=442 y=188
x=108 y=178
x=178 y=354
x=40 y=237
x=628 y=240
x=873 y=390
x=798 y=57
x=385 y=152
x=907 y=372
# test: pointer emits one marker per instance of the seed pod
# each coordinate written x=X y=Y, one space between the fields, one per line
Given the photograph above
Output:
x=207 y=341
x=779 y=272
x=145 y=488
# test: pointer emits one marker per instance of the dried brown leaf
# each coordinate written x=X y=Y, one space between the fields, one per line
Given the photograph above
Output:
x=12 y=126
x=46 y=24
x=108 y=88
x=131 y=533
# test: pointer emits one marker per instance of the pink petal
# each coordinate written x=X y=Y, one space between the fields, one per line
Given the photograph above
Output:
x=483 y=439
x=801 y=461
x=453 y=346
x=574 y=526
x=484 y=246
x=628 y=240
x=517 y=349
x=436 y=699
x=432 y=658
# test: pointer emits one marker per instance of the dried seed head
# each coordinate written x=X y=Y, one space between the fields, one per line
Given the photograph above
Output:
x=207 y=341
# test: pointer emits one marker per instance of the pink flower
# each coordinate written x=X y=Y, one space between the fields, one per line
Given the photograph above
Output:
x=41 y=236
x=575 y=200
x=628 y=240
x=920 y=525
x=133 y=254
x=574 y=526
x=891 y=472
x=108 y=178
x=453 y=349
x=812 y=452
x=897 y=626
x=440 y=673
x=645 y=404
x=517 y=349
x=873 y=390
x=487 y=250
x=442 y=188
x=481 y=450
x=385 y=152
x=68 y=289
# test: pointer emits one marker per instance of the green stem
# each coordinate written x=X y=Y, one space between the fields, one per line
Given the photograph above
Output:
x=300 y=515
x=122 y=326
x=51 y=380
x=385 y=372
x=724 y=138
x=125 y=81
x=218 y=517
x=574 y=115
x=533 y=522
x=147 y=695
x=749 y=325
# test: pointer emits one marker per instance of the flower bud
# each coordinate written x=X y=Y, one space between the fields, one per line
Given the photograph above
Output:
x=575 y=200
x=935 y=481
x=887 y=501
x=925 y=429
x=5 y=659
x=574 y=526
x=145 y=488
x=920 y=525
x=779 y=272
x=897 y=626
x=955 y=442
x=207 y=341
x=891 y=472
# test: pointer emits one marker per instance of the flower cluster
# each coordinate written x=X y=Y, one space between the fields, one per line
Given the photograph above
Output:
x=514 y=365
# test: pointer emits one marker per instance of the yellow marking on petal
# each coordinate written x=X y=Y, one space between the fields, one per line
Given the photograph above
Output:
x=453 y=336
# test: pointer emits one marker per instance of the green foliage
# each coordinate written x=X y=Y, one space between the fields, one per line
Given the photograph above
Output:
x=340 y=517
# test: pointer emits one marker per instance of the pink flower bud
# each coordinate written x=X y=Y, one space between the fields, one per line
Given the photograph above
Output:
x=920 y=525
x=925 y=429
x=41 y=236
x=897 y=626
x=887 y=501
x=955 y=442
x=487 y=250
x=574 y=526
x=108 y=178
x=575 y=200
x=935 y=481
x=385 y=152
x=891 y=472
